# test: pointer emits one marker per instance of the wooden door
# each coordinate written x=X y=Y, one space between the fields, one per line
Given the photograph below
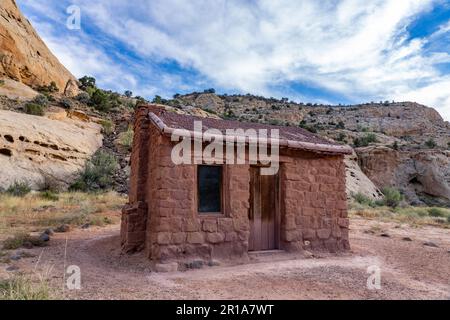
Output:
x=263 y=211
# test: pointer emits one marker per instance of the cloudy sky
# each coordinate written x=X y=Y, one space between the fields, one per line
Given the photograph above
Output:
x=347 y=51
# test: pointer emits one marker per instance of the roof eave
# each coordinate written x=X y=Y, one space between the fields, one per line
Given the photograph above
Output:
x=291 y=144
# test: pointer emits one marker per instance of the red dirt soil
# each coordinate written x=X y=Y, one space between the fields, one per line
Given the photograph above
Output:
x=409 y=270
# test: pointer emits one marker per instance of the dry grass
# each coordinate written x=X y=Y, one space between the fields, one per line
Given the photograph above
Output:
x=126 y=138
x=414 y=216
x=27 y=287
x=36 y=212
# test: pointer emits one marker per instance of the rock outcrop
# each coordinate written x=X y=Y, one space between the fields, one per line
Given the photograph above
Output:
x=24 y=57
x=72 y=89
x=422 y=175
x=16 y=90
x=39 y=150
x=357 y=181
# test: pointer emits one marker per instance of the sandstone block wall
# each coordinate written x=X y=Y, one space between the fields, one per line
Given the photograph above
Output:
x=313 y=204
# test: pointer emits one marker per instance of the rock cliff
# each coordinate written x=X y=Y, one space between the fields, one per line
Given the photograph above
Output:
x=24 y=57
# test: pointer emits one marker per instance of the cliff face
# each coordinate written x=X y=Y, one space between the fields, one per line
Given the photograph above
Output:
x=422 y=175
x=24 y=57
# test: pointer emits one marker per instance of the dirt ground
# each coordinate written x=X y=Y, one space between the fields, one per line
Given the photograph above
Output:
x=409 y=269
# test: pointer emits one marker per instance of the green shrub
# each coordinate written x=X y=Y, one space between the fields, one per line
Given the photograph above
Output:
x=49 y=195
x=98 y=173
x=108 y=126
x=340 y=125
x=229 y=114
x=140 y=100
x=431 y=144
x=51 y=88
x=363 y=129
x=99 y=100
x=341 y=137
x=362 y=199
x=19 y=239
x=275 y=122
x=365 y=140
x=126 y=138
x=2 y=83
x=436 y=212
x=19 y=189
x=395 y=145
x=34 y=109
x=83 y=97
x=104 y=101
x=41 y=100
x=87 y=82
x=303 y=125
x=392 y=197
x=66 y=103
x=158 y=100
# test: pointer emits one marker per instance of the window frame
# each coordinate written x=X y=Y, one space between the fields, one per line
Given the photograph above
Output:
x=223 y=185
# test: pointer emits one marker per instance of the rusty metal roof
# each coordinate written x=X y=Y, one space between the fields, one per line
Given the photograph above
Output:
x=293 y=137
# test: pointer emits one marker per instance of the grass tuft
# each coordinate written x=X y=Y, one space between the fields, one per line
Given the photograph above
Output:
x=21 y=287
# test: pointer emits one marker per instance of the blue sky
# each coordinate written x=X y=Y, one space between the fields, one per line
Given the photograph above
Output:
x=347 y=51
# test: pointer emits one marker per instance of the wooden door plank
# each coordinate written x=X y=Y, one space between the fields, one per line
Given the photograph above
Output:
x=258 y=216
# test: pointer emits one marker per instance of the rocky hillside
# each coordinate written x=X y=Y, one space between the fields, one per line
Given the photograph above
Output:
x=397 y=144
x=24 y=57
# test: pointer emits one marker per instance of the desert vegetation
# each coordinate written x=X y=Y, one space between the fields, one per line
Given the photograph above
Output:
x=393 y=208
x=35 y=212
x=97 y=174
x=26 y=287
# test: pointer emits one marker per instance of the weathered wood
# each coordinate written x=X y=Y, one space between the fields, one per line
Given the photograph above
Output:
x=263 y=211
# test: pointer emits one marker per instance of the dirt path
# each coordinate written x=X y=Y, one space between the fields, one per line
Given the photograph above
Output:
x=409 y=270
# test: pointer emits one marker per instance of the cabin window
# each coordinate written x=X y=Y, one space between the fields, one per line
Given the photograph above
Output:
x=209 y=189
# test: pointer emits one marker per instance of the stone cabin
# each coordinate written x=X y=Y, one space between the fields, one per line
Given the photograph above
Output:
x=180 y=212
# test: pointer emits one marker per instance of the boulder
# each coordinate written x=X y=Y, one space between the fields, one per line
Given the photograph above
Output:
x=72 y=89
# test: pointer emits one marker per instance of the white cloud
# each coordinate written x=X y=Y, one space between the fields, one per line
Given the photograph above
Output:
x=356 y=49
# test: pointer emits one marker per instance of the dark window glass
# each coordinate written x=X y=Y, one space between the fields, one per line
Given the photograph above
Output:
x=209 y=179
